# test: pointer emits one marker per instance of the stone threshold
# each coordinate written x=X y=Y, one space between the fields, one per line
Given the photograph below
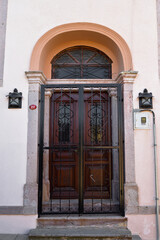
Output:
x=76 y=220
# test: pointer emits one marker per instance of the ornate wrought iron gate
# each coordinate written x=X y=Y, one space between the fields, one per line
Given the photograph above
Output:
x=81 y=149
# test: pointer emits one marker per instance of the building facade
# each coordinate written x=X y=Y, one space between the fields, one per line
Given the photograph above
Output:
x=79 y=143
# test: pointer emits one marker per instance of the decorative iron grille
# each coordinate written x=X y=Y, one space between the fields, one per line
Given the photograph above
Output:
x=81 y=167
x=81 y=63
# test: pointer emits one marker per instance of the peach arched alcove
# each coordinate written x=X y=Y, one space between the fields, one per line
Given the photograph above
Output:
x=73 y=34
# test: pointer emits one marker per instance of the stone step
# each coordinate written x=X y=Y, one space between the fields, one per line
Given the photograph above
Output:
x=74 y=233
x=25 y=237
x=112 y=221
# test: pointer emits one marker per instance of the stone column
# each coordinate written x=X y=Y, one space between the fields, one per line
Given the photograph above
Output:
x=131 y=188
x=114 y=125
x=35 y=79
x=46 y=183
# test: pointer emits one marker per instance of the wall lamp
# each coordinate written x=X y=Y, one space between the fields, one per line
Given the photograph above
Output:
x=15 y=99
x=145 y=100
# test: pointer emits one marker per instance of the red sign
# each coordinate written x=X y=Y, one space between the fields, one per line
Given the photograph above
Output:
x=32 y=107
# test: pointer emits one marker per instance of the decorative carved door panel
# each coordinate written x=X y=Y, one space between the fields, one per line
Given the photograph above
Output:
x=97 y=134
x=65 y=139
x=85 y=152
x=64 y=180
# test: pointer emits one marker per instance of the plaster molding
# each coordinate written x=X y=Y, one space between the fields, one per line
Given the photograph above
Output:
x=141 y=210
x=43 y=42
x=80 y=81
x=36 y=77
x=18 y=210
x=127 y=77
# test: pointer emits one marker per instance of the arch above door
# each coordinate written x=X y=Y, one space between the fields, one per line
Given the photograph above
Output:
x=85 y=34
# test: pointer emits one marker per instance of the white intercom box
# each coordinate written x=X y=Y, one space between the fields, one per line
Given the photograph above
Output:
x=142 y=120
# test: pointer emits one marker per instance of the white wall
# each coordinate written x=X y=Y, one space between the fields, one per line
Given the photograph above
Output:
x=17 y=224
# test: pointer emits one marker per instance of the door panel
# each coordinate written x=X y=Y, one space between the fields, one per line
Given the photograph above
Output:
x=97 y=174
x=64 y=138
x=81 y=167
x=97 y=162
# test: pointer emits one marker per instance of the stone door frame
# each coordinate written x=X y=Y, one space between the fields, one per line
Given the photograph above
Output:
x=35 y=80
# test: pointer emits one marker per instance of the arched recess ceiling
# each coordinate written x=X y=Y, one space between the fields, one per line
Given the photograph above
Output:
x=87 y=34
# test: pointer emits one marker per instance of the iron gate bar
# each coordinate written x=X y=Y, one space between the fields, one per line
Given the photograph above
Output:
x=64 y=147
x=85 y=147
x=92 y=141
x=51 y=152
x=81 y=144
x=70 y=141
x=84 y=64
x=101 y=147
x=60 y=162
x=121 y=148
x=81 y=140
x=40 y=176
x=101 y=144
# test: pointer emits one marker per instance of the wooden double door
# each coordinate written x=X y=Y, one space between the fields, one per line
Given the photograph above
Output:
x=80 y=129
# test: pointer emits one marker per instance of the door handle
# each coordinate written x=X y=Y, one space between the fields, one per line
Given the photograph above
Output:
x=91 y=176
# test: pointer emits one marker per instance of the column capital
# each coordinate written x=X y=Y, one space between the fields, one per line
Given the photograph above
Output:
x=36 y=77
x=127 y=77
x=48 y=93
x=112 y=92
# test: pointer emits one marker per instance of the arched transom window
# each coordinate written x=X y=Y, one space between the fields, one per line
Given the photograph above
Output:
x=81 y=63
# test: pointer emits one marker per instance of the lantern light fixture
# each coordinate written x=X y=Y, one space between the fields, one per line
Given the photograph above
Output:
x=15 y=99
x=145 y=100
